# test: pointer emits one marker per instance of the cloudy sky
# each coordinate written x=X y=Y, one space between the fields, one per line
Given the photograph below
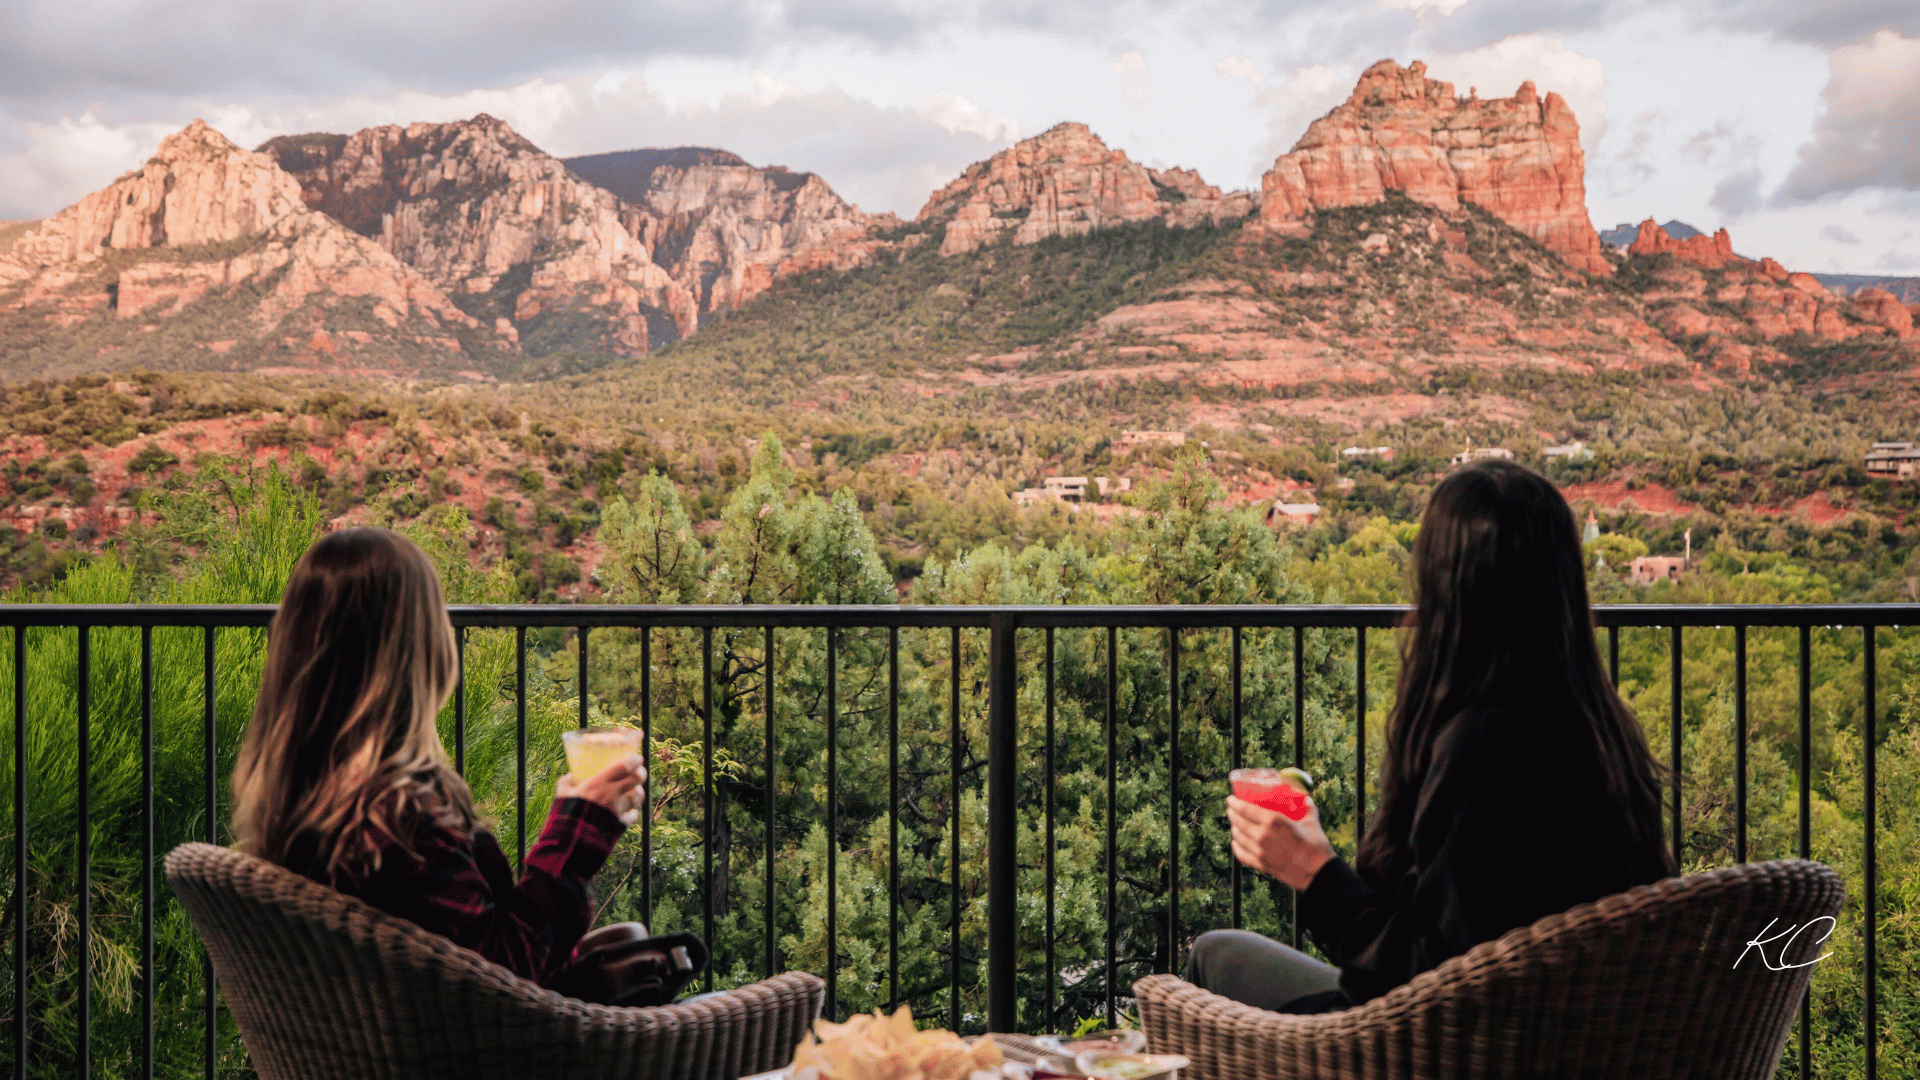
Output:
x=1793 y=123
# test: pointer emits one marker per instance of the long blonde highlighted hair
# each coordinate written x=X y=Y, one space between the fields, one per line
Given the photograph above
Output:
x=343 y=755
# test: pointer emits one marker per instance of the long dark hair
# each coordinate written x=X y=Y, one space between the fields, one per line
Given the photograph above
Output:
x=343 y=753
x=1501 y=615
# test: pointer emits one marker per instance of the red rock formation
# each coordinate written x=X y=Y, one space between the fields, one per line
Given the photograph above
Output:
x=1519 y=158
x=479 y=209
x=1883 y=309
x=486 y=215
x=201 y=217
x=724 y=230
x=1066 y=182
x=1765 y=300
x=1707 y=253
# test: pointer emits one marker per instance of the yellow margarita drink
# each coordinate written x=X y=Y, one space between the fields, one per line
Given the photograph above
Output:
x=591 y=751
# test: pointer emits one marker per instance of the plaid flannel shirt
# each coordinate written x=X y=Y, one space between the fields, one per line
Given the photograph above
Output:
x=464 y=890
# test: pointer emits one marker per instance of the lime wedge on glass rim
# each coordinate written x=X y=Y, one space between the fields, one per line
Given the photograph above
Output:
x=1299 y=779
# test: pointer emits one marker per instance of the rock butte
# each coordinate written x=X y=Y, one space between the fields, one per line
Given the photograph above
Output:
x=1519 y=158
x=1066 y=182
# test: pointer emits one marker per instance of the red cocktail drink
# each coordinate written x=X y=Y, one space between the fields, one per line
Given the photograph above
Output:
x=1273 y=789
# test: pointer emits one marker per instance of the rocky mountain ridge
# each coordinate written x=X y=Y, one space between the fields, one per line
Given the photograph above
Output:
x=501 y=252
x=1739 y=310
x=204 y=219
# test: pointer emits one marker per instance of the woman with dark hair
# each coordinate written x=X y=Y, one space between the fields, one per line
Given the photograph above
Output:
x=1515 y=783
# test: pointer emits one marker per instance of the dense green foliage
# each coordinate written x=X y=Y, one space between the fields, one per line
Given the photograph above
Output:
x=777 y=545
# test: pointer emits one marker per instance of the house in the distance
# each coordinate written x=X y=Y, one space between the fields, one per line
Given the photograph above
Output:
x=1893 y=460
x=1293 y=513
x=1648 y=569
x=1471 y=454
x=1355 y=453
x=1068 y=489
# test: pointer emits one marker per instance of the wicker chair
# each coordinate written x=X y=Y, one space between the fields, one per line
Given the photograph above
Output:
x=1639 y=985
x=324 y=986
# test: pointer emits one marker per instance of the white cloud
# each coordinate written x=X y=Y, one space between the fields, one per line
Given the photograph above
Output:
x=1135 y=89
x=1865 y=134
x=767 y=89
x=1238 y=67
x=1496 y=70
x=956 y=114
x=1442 y=8
x=58 y=160
x=1306 y=95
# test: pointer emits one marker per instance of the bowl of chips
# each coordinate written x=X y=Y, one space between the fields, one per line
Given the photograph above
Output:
x=875 y=1046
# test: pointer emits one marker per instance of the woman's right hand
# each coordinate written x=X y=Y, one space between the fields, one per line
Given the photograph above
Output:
x=620 y=788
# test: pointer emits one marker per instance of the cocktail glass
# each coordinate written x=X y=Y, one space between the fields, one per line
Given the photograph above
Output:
x=1272 y=789
x=590 y=751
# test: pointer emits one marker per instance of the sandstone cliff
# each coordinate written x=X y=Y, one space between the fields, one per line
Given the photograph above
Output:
x=1739 y=308
x=204 y=220
x=506 y=229
x=720 y=227
x=1517 y=157
x=1066 y=182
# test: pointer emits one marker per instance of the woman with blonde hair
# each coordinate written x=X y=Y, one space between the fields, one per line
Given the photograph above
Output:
x=342 y=776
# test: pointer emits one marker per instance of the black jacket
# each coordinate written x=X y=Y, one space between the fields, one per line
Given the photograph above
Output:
x=1512 y=824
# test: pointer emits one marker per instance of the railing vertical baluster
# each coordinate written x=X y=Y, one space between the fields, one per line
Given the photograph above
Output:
x=1173 y=799
x=1051 y=969
x=20 y=852
x=893 y=818
x=953 y=793
x=580 y=683
x=146 y=852
x=460 y=702
x=1359 y=735
x=1869 y=663
x=520 y=746
x=646 y=762
x=211 y=701
x=706 y=799
x=1806 y=819
x=83 y=951
x=1673 y=672
x=1113 y=810
x=1299 y=738
x=772 y=768
x=1613 y=656
x=1740 y=743
x=1237 y=740
x=1003 y=870
x=832 y=1010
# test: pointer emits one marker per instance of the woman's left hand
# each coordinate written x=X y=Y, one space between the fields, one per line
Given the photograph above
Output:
x=1268 y=841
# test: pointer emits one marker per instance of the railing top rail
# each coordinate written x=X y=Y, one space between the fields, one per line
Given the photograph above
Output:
x=941 y=615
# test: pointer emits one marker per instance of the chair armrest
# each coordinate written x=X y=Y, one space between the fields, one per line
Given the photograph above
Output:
x=1227 y=1040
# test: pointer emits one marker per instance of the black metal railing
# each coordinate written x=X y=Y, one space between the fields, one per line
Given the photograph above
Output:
x=1002 y=625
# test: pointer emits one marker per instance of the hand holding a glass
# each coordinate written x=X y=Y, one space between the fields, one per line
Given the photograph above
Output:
x=604 y=767
x=1276 y=826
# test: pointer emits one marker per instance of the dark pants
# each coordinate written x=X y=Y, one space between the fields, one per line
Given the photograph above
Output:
x=1256 y=970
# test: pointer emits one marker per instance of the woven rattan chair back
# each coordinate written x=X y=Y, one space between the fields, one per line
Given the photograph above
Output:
x=1659 y=982
x=324 y=987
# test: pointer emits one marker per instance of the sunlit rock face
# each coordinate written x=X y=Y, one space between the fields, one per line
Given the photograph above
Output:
x=1517 y=157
